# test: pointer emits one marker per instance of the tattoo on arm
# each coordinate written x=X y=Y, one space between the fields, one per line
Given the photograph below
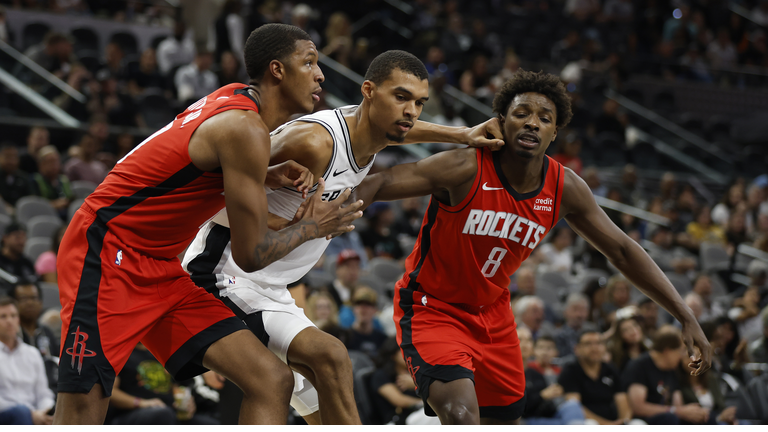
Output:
x=277 y=244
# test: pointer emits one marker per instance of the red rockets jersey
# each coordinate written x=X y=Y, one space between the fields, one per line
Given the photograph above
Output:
x=155 y=198
x=466 y=253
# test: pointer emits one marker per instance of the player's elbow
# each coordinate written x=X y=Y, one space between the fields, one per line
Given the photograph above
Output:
x=246 y=261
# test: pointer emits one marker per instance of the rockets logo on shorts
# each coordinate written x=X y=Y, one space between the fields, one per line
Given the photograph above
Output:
x=503 y=225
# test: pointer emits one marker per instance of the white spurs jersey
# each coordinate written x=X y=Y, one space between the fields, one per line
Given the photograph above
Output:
x=209 y=259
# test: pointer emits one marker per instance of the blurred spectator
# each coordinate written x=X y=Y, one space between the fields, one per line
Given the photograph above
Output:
x=736 y=229
x=745 y=312
x=476 y=80
x=12 y=259
x=176 y=50
x=526 y=344
x=16 y=182
x=410 y=219
x=322 y=310
x=592 y=178
x=694 y=67
x=529 y=311
x=230 y=30
x=729 y=349
x=617 y=296
x=84 y=166
x=29 y=301
x=350 y=240
x=54 y=54
x=595 y=292
x=556 y=255
x=582 y=10
x=4 y=35
x=704 y=390
x=668 y=186
x=619 y=11
x=594 y=383
x=109 y=100
x=568 y=152
x=755 y=200
x=695 y=303
x=301 y=14
x=508 y=69
x=435 y=64
x=73 y=7
x=24 y=394
x=652 y=386
x=50 y=183
x=364 y=336
x=722 y=211
x=648 y=316
x=125 y=143
x=454 y=42
x=394 y=393
x=567 y=50
x=722 y=52
x=610 y=120
x=702 y=286
x=760 y=13
x=146 y=76
x=114 y=65
x=230 y=71
x=347 y=274
x=145 y=394
x=545 y=403
x=681 y=19
x=45 y=265
x=338 y=38
x=196 y=80
x=575 y=314
x=667 y=256
x=758 y=350
x=37 y=139
x=378 y=238
x=626 y=343
x=703 y=230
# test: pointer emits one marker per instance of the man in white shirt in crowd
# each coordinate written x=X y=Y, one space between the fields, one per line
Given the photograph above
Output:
x=196 y=80
x=175 y=50
x=24 y=394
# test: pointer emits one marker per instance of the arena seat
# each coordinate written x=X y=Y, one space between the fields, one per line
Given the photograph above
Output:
x=73 y=208
x=681 y=282
x=50 y=293
x=43 y=226
x=360 y=360
x=713 y=256
x=33 y=34
x=361 y=385
x=85 y=39
x=127 y=42
x=31 y=206
x=5 y=220
x=385 y=269
x=36 y=246
x=83 y=188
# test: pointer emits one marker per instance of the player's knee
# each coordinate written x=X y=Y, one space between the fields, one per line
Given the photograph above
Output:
x=274 y=380
x=334 y=359
x=457 y=414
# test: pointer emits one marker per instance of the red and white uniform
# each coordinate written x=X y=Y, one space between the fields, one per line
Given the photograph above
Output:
x=119 y=279
x=452 y=306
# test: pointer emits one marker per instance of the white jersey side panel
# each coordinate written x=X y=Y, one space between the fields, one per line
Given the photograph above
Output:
x=209 y=260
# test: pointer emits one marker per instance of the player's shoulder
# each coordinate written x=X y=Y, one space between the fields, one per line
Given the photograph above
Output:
x=304 y=137
x=460 y=163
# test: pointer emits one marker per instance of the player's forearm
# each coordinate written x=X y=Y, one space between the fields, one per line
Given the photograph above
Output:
x=646 y=409
x=368 y=189
x=640 y=269
x=277 y=244
x=424 y=132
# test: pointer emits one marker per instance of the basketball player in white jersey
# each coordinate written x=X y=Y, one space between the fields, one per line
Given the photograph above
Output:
x=339 y=146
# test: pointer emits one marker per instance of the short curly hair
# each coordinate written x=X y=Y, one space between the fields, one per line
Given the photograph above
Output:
x=270 y=42
x=535 y=82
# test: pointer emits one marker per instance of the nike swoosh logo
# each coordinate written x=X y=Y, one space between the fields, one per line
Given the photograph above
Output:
x=335 y=173
x=485 y=187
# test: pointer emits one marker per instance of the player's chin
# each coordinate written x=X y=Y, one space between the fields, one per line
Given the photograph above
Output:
x=396 y=137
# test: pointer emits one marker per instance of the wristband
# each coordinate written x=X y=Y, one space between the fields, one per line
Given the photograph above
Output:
x=136 y=402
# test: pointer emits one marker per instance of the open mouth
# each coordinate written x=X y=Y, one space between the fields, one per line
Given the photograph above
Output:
x=528 y=140
x=316 y=95
x=404 y=126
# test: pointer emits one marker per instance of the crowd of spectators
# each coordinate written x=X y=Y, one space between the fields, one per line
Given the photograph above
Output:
x=596 y=350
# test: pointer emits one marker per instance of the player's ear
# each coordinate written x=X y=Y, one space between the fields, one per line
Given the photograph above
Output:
x=554 y=135
x=367 y=89
x=501 y=121
x=277 y=69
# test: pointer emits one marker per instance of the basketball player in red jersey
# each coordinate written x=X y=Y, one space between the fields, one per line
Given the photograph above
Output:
x=489 y=210
x=119 y=279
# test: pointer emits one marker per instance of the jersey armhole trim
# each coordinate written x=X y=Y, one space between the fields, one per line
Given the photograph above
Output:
x=558 y=192
x=458 y=208
x=348 y=145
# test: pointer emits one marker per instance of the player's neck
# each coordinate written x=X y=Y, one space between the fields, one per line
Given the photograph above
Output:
x=522 y=173
x=366 y=139
x=273 y=113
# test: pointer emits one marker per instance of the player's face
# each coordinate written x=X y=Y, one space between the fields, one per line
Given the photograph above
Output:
x=396 y=104
x=529 y=124
x=303 y=77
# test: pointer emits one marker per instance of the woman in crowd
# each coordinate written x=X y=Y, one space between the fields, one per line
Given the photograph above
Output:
x=557 y=256
x=626 y=343
x=393 y=392
x=617 y=296
x=704 y=390
x=728 y=204
x=703 y=230
x=595 y=291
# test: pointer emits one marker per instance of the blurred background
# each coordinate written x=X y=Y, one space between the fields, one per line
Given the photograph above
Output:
x=670 y=131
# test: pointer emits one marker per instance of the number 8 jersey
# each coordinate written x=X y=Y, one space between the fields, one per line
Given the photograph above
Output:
x=466 y=253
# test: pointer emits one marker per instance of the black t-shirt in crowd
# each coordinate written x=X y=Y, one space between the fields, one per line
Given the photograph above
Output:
x=598 y=395
x=368 y=344
x=22 y=268
x=144 y=377
x=384 y=411
x=660 y=384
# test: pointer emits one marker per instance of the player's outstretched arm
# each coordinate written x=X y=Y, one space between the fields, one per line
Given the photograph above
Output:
x=589 y=221
x=440 y=174
x=486 y=134
x=243 y=153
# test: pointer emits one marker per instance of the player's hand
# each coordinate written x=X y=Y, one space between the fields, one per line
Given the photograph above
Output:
x=331 y=217
x=693 y=337
x=41 y=417
x=728 y=415
x=404 y=382
x=151 y=403
x=551 y=392
x=290 y=173
x=487 y=134
x=693 y=413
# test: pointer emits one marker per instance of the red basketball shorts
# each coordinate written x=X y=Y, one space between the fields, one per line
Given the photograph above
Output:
x=446 y=342
x=113 y=296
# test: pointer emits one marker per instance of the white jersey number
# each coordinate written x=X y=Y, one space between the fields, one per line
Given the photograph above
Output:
x=494 y=261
